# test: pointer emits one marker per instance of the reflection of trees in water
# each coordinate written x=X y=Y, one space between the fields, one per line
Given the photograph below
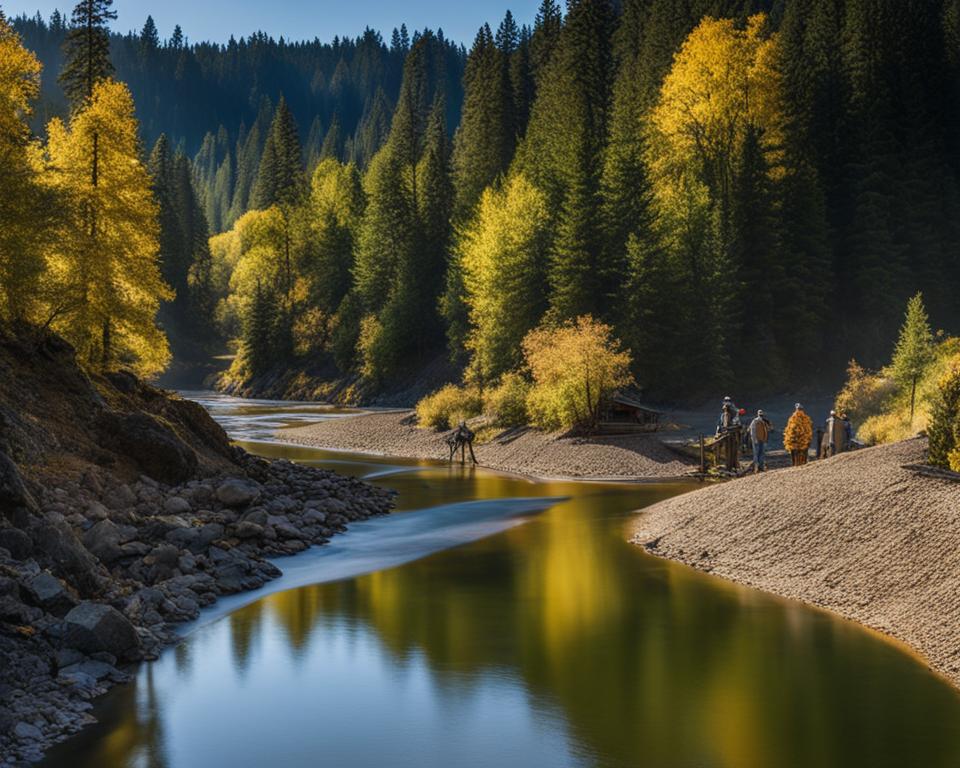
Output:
x=245 y=628
x=132 y=734
x=651 y=663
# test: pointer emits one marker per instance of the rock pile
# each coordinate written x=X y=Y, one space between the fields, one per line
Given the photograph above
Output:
x=96 y=572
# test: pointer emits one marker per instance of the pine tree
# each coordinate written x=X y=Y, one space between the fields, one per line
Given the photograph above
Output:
x=485 y=140
x=149 y=40
x=258 y=331
x=280 y=174
x=164 y=191
x=332 y=146
x=914 y=350
x=86 y=50
x=566 y=164
x=312 y=147
x=546 y=32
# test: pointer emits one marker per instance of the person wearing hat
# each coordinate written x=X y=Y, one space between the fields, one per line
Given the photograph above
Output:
x=798 y=435
x=760 y=429
x=729 y=416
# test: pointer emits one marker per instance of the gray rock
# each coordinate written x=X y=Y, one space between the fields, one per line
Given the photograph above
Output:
x=27 y=732
x=94 y=627
x=256 y=516
x=16 y=542
x=246 y=530
x=96 y=511
x=237 y=493
x=120 y=497
x=176 y=505
x=148 y=441
x=104 y=540
x=49 y=593
x=95 y=669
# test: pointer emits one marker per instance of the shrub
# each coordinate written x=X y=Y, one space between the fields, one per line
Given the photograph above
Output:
x=368 y=346
x=574 y=366
x=944 y=428
x=865 y=394
x=884 y=428
x=506 y=404
x=448 y=406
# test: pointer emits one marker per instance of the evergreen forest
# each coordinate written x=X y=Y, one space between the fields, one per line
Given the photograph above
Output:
x=745 y=191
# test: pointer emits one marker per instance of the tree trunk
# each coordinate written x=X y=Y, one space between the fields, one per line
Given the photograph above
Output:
x=105 y=362
x=913 y=399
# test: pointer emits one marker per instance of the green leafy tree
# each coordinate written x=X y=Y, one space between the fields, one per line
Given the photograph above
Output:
x=914 y=350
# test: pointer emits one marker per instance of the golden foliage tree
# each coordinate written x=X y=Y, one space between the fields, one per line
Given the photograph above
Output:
x=25 y=203
x=724 y=84
x=574 y=367
x=105 y=262
x=502 y=254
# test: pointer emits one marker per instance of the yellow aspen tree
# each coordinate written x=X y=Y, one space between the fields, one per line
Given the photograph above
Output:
x=107 y=258
x=25 y=205
x=723 y=83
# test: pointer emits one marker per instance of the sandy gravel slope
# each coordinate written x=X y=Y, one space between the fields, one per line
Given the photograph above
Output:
x=527 y=452
x=857 y=534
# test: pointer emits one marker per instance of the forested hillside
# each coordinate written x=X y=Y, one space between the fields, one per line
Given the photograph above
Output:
x=745 y=191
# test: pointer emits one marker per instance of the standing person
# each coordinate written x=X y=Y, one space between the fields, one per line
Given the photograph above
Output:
x=798 y=435
x=760 y=429
x=835 y=435
x=728 y=427
x=729 y=416
x=847 y=431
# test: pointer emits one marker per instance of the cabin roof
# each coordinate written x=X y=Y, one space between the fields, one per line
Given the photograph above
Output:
x=625 y=400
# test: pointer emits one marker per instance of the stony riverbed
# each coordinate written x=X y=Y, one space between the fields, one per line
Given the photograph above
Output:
x=154 y=555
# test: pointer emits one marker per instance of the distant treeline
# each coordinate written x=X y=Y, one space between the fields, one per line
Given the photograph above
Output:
x=744 y=190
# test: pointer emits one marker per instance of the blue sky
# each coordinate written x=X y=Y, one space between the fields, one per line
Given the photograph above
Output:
x=299 y=19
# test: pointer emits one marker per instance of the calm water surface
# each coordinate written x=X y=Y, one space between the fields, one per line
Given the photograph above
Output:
x=496 y=622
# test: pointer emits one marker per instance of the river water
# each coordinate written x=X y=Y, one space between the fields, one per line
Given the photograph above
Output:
x=498 y=622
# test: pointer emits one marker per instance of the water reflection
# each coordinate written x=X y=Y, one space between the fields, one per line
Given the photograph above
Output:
x=553 y=643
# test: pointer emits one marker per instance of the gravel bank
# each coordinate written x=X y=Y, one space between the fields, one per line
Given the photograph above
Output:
x=856 y=534
x=527 y=452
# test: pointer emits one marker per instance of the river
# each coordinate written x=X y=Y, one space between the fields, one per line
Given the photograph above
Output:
x=496 y=622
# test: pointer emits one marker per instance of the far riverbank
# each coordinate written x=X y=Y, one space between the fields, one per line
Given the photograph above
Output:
x=525 y=451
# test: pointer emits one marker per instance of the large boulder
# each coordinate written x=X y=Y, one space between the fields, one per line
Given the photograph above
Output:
x=104 y=540
x=13 y=493
x=156 y=448
x=47 y=591
x=16 y=542
x=98 y=628
x=57 y=547
x=237 y=492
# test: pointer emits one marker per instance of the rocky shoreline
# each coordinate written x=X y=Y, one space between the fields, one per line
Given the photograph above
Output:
x=125 y=511
x=519 y=451
x=862 y=535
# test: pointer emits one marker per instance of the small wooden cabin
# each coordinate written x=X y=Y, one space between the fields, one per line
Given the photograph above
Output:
x=623 y=414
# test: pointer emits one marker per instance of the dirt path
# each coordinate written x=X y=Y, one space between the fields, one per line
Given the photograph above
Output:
x=528 y=452
x=857 y=534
